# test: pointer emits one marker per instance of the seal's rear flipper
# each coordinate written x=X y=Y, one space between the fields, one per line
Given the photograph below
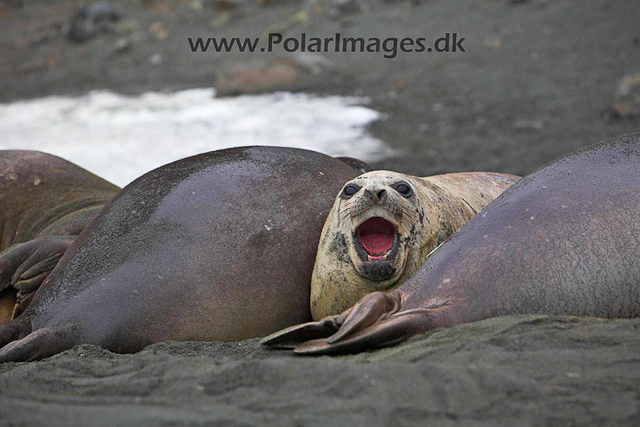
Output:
x=370 y=309
x=26 y=265
x=39 y=344
x=293 y=336
x=14 y=330
x=372 y=323
x=388 y=332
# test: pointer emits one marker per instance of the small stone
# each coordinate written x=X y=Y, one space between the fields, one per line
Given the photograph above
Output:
x=221 y=20
x=278 y=74
x=225 y=5
x=88 y=20
x=122 y=45
x=196 y=5
x=528 y=125
x=102 y=11
x=158 y=31
x=315 y=63
x=155 y=59
x=627 y=98
x=299 y=18
x=125 y=26
x=493 y=43
x=343 y=7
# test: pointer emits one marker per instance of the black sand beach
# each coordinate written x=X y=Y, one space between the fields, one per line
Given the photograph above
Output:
x=517 y=370
x=538 y=80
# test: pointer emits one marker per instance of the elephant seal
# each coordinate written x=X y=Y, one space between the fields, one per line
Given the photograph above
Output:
x=564 y=240
x=384 y=224
x=46 y=202
x=357 y=164
x=215 y=247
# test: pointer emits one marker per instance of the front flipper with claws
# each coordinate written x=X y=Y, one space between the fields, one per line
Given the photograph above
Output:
x=374 y=322
x=25 y=266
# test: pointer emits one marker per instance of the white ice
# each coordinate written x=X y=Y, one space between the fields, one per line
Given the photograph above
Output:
x=121 y=137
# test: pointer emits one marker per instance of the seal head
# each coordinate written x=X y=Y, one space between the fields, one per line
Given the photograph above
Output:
x=379 y=211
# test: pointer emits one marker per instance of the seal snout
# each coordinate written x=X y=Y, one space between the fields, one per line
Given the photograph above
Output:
x=377 y=237
x=377 y=194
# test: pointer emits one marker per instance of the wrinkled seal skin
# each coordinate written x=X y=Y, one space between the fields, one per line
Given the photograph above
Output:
x=564 y=240
x=215 y=247
x=430 y=211
x=46 y=202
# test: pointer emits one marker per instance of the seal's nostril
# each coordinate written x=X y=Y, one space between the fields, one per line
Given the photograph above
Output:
x=381 y=194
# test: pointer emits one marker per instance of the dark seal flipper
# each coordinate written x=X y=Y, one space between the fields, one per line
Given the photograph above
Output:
x=293 y=336
x=25 y=266
x=14 y=330
x=44 y=342
x=373 y=322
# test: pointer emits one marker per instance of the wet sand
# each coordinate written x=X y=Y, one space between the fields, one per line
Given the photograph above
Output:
x=516 y=370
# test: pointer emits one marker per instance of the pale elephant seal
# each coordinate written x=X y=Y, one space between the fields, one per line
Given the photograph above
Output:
x=46 y=202
x=384 y=224
x=564 y=240
x=215 y=247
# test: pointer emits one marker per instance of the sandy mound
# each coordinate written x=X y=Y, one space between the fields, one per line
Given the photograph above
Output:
x=517 y=370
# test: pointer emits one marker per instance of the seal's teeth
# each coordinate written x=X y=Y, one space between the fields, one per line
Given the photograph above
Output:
x=369 y=257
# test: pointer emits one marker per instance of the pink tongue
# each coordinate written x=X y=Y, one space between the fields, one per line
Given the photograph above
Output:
x=376 y=236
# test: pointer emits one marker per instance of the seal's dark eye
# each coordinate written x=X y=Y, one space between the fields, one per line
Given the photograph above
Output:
x=403 y=188
x=351 y=189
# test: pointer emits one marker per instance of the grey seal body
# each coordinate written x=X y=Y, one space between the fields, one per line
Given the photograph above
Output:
x=564 y=240
x=215 y=247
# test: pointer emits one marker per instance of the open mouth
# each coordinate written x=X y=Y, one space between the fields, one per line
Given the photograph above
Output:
x=377 y=237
